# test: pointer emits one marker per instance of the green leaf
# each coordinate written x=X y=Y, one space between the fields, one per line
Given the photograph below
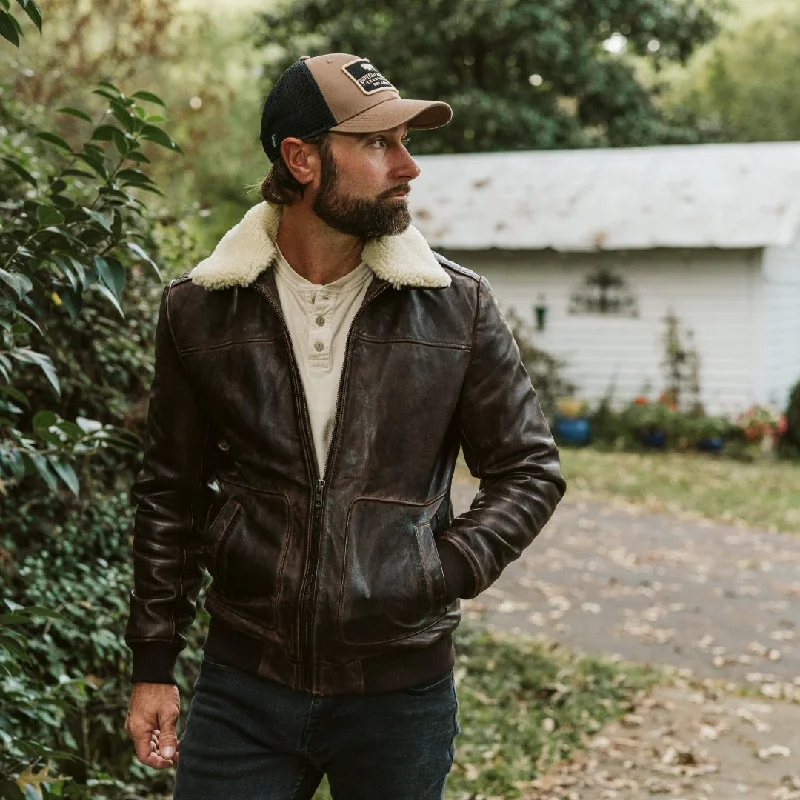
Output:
x=43 y=468
x=70 y=429
x=48 y=215
x=16 y=394
x=75 y=112
x=32 y=322
x=32 y=10
x=28 y=356
x=111 y=273
x=21 y=284
x=20 y=170
x=116 y=225
x=77 y=173
x=105 y=93
x=133 y=176
x=123 y=116
x=91 y=160
x=104 y=291
x=138 y=158
x=79 y=270
x=109 y=85
x=149 y=97
x=45 y=419
x=104 y=220
x=156 y=135
x=120 y=142
x=104 y=133
x=70 y=302
x=9 y=28
x=13 y=619
x=135 y=248
x=45 y=136
x=67 y=474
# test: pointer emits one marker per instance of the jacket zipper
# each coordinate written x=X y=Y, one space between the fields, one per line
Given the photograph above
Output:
x=308 y=590
x=309 y=585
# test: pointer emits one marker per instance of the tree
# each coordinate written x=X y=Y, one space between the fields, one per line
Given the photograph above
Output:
x=520 y=74
x=744 y=85
x=205 y=69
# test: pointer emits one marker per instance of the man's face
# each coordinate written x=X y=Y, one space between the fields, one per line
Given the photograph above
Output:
x=364 y=183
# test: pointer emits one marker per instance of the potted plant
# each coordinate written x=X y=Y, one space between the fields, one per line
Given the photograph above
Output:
x=708 y=433
x=651 y=423
x=762 y=425
x=571 y=424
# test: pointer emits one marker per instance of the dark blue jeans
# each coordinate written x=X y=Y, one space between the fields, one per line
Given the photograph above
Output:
x=253 y=739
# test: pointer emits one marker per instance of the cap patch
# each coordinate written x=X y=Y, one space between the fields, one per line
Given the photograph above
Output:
x=366 y=77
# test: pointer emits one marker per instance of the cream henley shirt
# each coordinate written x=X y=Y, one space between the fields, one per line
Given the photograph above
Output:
x=319 y=318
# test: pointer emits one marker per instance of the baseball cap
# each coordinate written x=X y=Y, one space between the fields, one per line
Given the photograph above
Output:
x=339 y=92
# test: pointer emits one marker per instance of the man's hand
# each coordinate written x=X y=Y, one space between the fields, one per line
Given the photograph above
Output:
x=152 y=717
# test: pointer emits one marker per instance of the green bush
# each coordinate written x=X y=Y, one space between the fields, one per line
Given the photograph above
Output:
x=792 y=434
x=77 y=309
x=74 y=691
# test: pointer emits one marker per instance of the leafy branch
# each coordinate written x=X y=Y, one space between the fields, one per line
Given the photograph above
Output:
x=74 y=227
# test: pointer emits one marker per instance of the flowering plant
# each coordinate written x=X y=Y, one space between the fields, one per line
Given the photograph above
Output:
x=571 y=407
x=761 y=422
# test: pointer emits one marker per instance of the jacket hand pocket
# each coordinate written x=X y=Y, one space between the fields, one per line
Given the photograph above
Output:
x=246 y=544
x=392 y=582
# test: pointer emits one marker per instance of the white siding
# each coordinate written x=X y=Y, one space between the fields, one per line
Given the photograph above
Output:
x=781 y=321
x=716 y=294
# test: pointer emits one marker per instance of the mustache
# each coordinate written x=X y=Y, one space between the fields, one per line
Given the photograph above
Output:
x=402 y=187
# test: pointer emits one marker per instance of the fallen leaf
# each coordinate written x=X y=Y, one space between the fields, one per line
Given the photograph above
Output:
x=765 y=753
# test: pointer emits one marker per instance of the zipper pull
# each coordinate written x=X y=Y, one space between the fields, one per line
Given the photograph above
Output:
x=320 y=491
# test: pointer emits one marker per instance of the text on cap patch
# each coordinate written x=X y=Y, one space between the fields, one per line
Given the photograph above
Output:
x=366 y=77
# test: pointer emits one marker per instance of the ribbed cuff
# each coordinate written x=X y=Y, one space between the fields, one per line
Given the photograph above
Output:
x=458 y=576
x=154 y=662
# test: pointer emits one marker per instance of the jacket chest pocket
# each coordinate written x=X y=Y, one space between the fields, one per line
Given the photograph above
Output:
x=245 y=549
x=392 y=580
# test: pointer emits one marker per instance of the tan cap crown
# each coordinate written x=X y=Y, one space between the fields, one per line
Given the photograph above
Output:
x=363 y=101
x=340 y=92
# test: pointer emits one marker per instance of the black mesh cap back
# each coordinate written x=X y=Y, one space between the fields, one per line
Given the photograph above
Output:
x=294 y=107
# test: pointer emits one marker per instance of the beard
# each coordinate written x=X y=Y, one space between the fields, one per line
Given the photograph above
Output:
x=364 y=218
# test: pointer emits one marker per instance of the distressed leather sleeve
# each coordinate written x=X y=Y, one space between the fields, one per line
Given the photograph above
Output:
x=167 y=560
x=508 y=445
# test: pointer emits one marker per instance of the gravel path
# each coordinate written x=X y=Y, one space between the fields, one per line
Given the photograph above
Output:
x=713 y=601
x=720 y=601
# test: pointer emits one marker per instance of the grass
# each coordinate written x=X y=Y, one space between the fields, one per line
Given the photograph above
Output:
x=525 y=706
x=763 y=495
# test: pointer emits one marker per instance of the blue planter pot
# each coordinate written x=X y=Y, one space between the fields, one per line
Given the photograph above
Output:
x=712 y=445
x=653 y=438
x=572 y=431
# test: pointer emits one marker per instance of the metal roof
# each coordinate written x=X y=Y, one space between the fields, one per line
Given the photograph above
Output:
x=698 y=196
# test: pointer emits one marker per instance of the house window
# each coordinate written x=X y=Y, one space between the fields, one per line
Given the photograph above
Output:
x=603 y=292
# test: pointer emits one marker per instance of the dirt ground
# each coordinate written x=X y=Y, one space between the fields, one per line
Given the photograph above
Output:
x=717 y=606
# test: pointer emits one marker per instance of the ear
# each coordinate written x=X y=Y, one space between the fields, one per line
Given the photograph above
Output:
x=301 y=158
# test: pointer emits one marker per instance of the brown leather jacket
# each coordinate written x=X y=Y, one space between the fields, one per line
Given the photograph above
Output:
x=347 y=582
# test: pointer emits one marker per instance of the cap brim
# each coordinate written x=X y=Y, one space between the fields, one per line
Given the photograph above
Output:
x=419 y=114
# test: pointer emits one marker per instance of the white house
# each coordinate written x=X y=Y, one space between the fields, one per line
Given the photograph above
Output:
x=607 y=243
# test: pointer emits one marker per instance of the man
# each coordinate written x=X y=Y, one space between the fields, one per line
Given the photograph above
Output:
x=315 y=378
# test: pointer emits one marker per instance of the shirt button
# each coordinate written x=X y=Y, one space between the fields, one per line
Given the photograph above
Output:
x=320 y=321
x=319 y=347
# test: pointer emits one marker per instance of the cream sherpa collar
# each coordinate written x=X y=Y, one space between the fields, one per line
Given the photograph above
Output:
x=249 y=248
